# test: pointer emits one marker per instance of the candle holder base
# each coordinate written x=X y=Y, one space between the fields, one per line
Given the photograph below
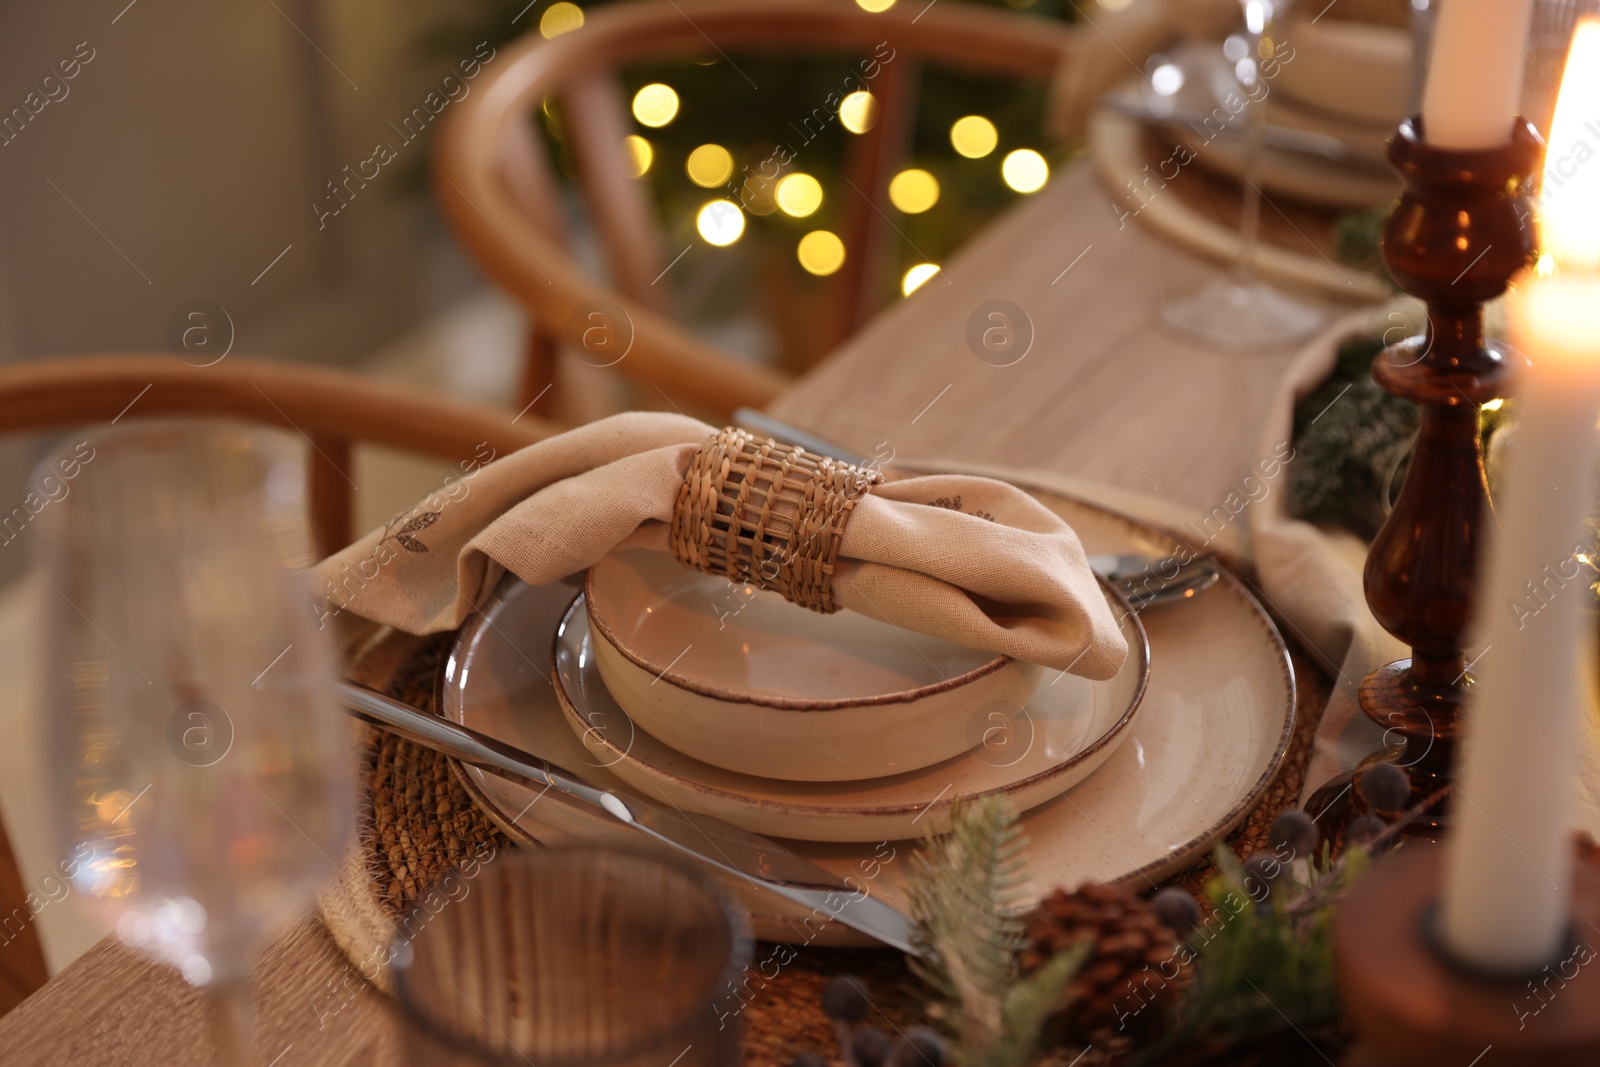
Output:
x=1411 y=1006
x=1422 y=722
x=1455 y=238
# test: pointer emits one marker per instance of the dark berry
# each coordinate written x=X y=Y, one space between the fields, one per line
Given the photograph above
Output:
x=1364 y=830
x=1384 y=787
x=846 y=998
x=871 y=1046
x=808 y=1059
x=1177 y=910
x=1293 y=834
x=921 y=1047
x=1260 y=871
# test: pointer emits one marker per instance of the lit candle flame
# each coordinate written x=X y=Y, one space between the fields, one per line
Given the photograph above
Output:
x=1569 y=204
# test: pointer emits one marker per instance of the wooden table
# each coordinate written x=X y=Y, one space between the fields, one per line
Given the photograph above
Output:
x=1102 y=394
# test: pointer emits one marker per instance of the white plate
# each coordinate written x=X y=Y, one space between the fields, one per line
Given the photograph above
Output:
x=1028 y=754
x=1211 y=731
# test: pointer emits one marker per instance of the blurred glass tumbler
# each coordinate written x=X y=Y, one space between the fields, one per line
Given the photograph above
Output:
x=564 y=957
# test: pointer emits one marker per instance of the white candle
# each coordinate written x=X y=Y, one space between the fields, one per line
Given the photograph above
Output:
x=1508 y=867
x=1475 y=71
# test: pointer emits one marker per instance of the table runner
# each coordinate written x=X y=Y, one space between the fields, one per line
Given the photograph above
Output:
x=1170 y=432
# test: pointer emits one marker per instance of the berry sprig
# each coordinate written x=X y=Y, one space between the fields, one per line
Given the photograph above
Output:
x=847 y=1000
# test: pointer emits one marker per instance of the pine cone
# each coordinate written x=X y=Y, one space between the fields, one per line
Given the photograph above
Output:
x=1130 y=976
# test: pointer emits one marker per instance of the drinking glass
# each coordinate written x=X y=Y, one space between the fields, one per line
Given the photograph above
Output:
x=1241 y=312
x=199 y=757
x=573 y=957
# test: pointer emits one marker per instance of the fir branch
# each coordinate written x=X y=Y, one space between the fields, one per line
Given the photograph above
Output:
x=1030 y=1002
x=966 y=901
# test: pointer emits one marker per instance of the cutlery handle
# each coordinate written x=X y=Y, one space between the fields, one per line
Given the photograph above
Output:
x=787 y=434
x=748 y=856
x=464 y=744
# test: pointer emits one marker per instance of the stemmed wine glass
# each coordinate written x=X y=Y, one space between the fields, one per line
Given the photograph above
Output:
x=1242 y=312
x=201 y=777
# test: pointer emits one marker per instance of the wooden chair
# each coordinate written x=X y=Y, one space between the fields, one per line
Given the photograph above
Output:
x=496 y=186
x=332 y=410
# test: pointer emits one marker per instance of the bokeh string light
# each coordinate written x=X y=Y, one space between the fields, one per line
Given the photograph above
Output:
x=820 y=252
x=917 y=276
x=799 y=195
x=709 y=166
x=641 y=154
x=973 y=136
x=720 y=223
x=914 y=191
x=757 y=195
x=858 y=112
x=1025 y=170
x=560 y=18
x=655 y=105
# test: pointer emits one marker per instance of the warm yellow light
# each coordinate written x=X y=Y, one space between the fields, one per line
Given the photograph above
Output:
x=820 y=252
x=108 y=807
x=1495 y=404
x=1569 y=198
x=974 y=136
x=916 y=276
x=874 y=6
x=560 y=18
x=914 y=191
x=755 y=195
x=858 y=111
x=720 y=222
x=799 y=195
x=1025 y=170
x=640 y=154
x=709 y=165
x=655 y=105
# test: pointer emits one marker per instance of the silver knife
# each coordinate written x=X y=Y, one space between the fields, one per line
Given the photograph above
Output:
x=762 y=863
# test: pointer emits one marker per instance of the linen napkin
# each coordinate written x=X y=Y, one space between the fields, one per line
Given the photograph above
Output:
x=968 y=559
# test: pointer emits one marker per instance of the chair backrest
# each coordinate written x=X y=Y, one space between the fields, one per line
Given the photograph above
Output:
x=332 y=410
x=496 y=185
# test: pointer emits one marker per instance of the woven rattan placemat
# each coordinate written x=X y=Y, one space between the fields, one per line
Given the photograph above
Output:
x=417 y=823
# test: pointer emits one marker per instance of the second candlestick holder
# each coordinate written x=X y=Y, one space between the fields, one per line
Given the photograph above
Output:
x=1459 y=232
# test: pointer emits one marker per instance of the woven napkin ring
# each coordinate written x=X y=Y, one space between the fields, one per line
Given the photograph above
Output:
x=758 y=512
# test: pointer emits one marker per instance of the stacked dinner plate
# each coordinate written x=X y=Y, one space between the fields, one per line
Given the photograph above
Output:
x=850 y=737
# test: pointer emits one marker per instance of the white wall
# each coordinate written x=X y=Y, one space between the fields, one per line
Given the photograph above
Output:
x=192 y=146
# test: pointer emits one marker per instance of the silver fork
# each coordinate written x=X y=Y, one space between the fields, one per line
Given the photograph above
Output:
x=1147 y=581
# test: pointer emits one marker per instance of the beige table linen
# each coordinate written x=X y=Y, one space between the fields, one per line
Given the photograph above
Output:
x=967 y=559
x=1309 y=576
x=1107 y=404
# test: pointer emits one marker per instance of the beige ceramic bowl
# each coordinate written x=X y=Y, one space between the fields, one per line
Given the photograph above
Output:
x=741 y=679
x=1029 y=756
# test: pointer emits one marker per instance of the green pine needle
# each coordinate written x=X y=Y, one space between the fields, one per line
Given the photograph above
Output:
x=966 y=900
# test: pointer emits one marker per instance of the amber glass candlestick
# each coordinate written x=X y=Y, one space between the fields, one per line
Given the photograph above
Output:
x=1460 y=230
